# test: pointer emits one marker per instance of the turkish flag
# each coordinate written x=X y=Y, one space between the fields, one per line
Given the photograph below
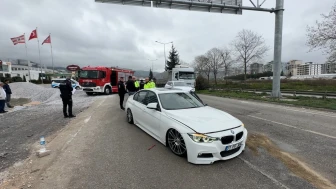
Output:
x=47 y=40
x=33 y=34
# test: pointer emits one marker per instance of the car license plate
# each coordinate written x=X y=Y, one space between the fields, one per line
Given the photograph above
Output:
x=234 y=146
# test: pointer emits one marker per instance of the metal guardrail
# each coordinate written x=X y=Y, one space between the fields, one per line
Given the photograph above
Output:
x=294 y=92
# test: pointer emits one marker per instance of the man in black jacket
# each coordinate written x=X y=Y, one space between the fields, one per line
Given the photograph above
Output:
x=142 y=84
x=130 y=86
x=66 y=95
x=8 y=93
x=121 y=92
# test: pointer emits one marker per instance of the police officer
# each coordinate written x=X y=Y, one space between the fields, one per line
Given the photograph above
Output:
x=149 y=84
x=66 y=95
x=136 y=83
x=121 y=92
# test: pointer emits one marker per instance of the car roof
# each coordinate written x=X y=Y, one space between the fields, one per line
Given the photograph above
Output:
x=165 y=90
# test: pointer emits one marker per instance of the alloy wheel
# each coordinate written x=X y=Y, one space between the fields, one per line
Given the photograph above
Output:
x=176 y=143
x=129 y=116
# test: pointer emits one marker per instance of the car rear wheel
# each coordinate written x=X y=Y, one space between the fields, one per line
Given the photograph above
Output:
x=129 y=116
x=176 y=143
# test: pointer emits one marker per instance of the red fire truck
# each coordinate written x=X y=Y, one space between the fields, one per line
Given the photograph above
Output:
x=102 y=79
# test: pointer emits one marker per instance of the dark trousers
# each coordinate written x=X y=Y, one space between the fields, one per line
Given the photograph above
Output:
x=8 y=98
x=2 y=105
x=67 y=102
x=121 y=96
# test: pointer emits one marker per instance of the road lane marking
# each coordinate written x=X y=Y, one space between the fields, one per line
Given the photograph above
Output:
x=291 y=126
x=85 y=122
x=87 y=119
x=263 y=173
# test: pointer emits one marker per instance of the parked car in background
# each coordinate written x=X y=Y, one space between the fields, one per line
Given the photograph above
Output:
x=179 y=85
x=189 y=128
x=56 y=82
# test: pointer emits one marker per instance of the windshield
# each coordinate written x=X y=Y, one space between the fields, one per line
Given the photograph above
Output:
x=177 y=101
x=179 y=84
x=187 y=75
x=88 y=74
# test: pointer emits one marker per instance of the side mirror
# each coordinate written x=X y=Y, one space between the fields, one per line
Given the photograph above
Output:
x=152 y=106
x=169 y=86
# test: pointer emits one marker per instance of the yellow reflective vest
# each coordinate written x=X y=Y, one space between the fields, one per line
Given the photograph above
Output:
x=136 y=84
x=149 y=85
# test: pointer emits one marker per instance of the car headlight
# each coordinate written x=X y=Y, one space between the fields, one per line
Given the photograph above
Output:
x=200 y=138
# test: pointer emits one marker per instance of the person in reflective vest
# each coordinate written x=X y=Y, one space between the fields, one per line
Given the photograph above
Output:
x=136 y=83
x=149 y=84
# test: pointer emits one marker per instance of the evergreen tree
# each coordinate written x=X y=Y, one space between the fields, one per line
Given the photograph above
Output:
x=173 y=59
x=150 y=74
x=282 y=73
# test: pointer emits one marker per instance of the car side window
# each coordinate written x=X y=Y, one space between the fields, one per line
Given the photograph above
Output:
x=135 y=97
x=151 y=98
x=141 y=97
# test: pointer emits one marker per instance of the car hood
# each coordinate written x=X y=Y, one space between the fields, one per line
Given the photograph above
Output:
x=204 y=119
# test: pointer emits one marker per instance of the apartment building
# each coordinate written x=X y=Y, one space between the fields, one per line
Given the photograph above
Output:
x=309 y=68
x=256 y=68
x=292 y=67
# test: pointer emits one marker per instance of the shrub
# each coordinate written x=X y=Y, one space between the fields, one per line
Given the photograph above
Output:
x=201 y=83
x=17 y=79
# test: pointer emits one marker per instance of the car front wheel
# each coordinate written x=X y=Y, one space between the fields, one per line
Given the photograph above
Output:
x=129 y=116
x=176 y=143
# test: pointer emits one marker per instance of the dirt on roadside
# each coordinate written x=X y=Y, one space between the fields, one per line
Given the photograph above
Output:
x=19 y=101
x=295 y=165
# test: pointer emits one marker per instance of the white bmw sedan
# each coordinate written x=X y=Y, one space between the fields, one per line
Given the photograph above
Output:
x=188 y=127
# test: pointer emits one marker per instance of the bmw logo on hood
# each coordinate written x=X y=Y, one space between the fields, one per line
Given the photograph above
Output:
x=232 y=131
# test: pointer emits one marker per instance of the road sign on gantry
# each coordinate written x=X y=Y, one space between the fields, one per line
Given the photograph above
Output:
x=216 y=6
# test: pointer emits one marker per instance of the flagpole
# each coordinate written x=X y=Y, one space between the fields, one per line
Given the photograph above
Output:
x=27 y=57
x=38 y=45
x=52 y=58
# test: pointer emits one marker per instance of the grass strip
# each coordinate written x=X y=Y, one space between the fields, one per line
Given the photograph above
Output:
x=298 y=101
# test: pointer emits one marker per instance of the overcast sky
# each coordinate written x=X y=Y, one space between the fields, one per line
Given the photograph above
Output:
x=87 y=33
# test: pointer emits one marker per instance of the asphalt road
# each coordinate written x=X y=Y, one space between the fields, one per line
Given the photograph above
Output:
x=297 y=150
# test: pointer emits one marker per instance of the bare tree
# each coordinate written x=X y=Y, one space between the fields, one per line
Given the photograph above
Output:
x=214 y=56
x=202 y=65
x=250 y=47
x=323 y=35
x=226 y=60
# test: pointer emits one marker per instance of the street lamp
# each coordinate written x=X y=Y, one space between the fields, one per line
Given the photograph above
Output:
x=152 y=62
x=164 y=49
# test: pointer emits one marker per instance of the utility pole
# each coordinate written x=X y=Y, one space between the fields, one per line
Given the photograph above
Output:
x=164 y=50
x=279 y=9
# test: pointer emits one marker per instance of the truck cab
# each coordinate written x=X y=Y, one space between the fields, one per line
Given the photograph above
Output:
x=184 y=73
